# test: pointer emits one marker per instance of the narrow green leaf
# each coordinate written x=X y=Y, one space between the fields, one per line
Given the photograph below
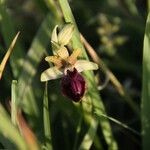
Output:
x=46 y=116
x=146 y=87
x=14 y=103
x=51 y=4
x=7 y=55
x=101 y=116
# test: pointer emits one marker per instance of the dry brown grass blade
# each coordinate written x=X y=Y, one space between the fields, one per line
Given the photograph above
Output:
x=7 y=55
x=27 y=133
x=118 y=86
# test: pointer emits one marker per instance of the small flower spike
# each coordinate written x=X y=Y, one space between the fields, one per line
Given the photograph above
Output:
x=67 y=66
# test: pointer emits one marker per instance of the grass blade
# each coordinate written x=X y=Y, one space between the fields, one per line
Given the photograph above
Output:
x=7 y=55
x=146 y=88
x=8 y=32
x=51 y=4
x=27 y=133
x=118 y=123
x=14 y=101
x=46 y=121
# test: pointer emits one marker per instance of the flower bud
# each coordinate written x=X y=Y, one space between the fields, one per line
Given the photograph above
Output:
x=73 y=85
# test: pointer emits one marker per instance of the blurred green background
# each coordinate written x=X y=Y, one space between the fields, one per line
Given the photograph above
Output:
x=114 y=28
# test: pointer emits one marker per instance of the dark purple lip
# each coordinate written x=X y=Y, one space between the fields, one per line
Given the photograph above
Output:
x=73 y=85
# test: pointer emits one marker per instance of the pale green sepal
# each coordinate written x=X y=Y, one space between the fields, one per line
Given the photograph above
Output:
x=54 y=37
x=82 y=65
x=55 y=47
x=51 y=74
x=65 y=34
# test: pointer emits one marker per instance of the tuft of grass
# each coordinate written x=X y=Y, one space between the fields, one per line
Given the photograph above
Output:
x=9 y=131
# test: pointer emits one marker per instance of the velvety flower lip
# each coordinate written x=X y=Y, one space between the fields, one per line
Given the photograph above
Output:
x=73 y=85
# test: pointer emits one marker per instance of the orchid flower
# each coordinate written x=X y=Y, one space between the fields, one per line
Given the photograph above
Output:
x=66 y=66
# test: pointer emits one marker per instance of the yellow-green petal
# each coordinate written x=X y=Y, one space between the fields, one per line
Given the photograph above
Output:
x=54 y=37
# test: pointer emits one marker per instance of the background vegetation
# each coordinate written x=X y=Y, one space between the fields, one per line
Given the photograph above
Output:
x=108 y=119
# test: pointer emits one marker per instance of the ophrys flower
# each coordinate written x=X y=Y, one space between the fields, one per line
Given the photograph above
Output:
x=67 y=66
